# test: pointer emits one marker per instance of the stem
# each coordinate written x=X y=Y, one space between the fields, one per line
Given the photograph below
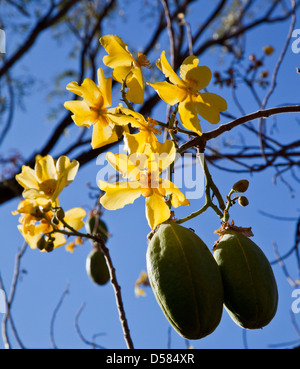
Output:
x=113 y=278
x=173 y=138
x=194 y=215
x=236 y=122
x=214 y=188
x=124 y=98
x=209 y=185
x=180 y=130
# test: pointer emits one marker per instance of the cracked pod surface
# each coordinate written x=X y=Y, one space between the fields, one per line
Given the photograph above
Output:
x=250 y=289
x=185 y=280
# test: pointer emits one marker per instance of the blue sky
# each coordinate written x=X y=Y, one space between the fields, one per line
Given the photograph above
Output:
x=47 y=275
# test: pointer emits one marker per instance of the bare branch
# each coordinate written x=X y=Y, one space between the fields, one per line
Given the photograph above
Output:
x=64 y=294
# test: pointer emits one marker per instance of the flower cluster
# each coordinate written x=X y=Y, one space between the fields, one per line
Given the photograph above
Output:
x=147 y=154
x=40 y=214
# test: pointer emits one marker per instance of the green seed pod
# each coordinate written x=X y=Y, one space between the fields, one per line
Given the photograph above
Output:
x=185 y=280
x=241 y=186
x=96 y=267
x=101 y=229
x=250 y=289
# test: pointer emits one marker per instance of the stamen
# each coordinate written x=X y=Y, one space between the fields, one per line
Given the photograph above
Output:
x=143 y=61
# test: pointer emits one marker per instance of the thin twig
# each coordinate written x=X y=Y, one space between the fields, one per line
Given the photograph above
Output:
x=87 y=342
x=172 y=50
x=274 y=77
x=170 y=32
x=236 y=122
x=9 y=301
x=66 y=292
x=7 y=344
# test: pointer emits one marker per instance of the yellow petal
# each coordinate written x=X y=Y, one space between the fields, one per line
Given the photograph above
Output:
x=82 y=115
x=136 y=86
x=25 y=206
x=188 y=116
x=157 y=211
x=123 y=120
x=27 y=178
x=118 y=54
x=66 y=168
x=120 y=74
x=88 y=90
x=74 y=218
x=169 y=93
x=138 y=142
x=167 y=70
x=178 y=198
x=30 y=239
x=129 y=167
x=195 y=77
x=66 y=172
x=45 y=168
x=119 y=194
x=60 y=240
x=209 y=106
x=163 y=156
x=39 y=197
x=103 y=135
x=104 y=85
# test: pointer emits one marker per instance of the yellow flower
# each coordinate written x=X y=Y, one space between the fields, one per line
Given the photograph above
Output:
x=92 y=109
x=185 y=91
x=147 y=131
x=70 y=247
x=34 y=227
x=45 y=182
x=143 y=172
x=142 y=280
x=125 y=66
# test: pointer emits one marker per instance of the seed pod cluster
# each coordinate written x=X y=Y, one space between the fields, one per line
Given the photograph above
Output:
x=191 y=285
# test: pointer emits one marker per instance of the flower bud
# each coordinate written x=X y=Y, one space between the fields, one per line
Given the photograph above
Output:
x=243 y=201
x=268 y=50
x=60 y=214
x=41 y=244
x=241 y=186
x=49 y=245
x=55 y=220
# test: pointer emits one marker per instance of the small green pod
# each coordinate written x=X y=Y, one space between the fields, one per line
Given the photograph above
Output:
x=101 y=227
x=185 y=280
x=96 y=267
x=250 y=289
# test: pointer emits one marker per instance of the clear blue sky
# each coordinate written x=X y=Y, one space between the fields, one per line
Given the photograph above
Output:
x=47 y=275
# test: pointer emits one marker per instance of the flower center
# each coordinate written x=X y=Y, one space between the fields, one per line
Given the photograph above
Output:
x=48 y=187
x=151 y=124
x=149 y=181
x=142 y=61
